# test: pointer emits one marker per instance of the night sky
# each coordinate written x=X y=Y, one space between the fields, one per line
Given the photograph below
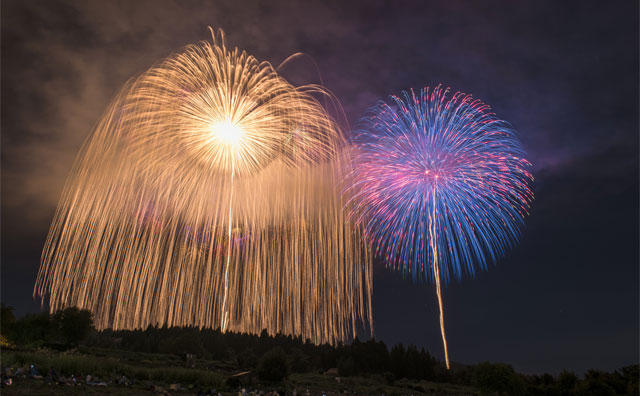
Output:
x=564 y=74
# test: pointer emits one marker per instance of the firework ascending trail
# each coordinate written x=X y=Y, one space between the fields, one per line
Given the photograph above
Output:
x=206 y=196
x=441 y=185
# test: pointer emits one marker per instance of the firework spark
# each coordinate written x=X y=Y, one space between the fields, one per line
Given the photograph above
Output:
x=206 y=196
x=441 y=185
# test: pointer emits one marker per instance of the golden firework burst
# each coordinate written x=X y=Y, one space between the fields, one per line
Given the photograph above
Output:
x=208 y=196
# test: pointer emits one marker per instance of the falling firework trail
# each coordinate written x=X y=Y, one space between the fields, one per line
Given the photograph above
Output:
x=440 y=184
x=224 y=318
x=207 y=195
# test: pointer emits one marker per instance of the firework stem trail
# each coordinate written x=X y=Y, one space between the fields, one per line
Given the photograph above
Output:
x=436 y=274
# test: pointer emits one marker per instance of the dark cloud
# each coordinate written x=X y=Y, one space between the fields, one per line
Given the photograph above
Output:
x=563 y=73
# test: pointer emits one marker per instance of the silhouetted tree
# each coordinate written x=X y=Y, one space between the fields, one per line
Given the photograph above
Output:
x=247 y=359
x=497 y=379
x=73 y=324
x=346 y=366
x=397 y=358
x=6 y=318
x=631 y=374
x=30 y=329
x=413 y=363
x=273 y=366
x=299 y=361
x=566 y=383
x=598 y=383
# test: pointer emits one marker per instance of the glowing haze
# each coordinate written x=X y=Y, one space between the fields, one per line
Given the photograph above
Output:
x=206 y=196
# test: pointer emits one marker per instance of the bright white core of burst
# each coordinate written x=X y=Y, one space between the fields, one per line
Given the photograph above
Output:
x=227 y=133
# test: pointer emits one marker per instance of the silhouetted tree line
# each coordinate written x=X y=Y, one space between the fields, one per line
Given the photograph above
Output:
x=274 y=357
x=63 y=329
x=358 y=357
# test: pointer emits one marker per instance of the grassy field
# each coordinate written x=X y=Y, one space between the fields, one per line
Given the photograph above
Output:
x=168 y=372
x=372 y=385
x=32 y=387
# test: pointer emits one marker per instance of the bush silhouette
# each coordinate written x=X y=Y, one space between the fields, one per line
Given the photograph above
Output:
x=497 y=379
x=73 y=324
x=273 y=366
x=346 y=366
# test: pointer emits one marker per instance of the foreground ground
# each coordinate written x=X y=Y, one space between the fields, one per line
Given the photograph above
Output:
x=305 y=385
x=124 y=373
